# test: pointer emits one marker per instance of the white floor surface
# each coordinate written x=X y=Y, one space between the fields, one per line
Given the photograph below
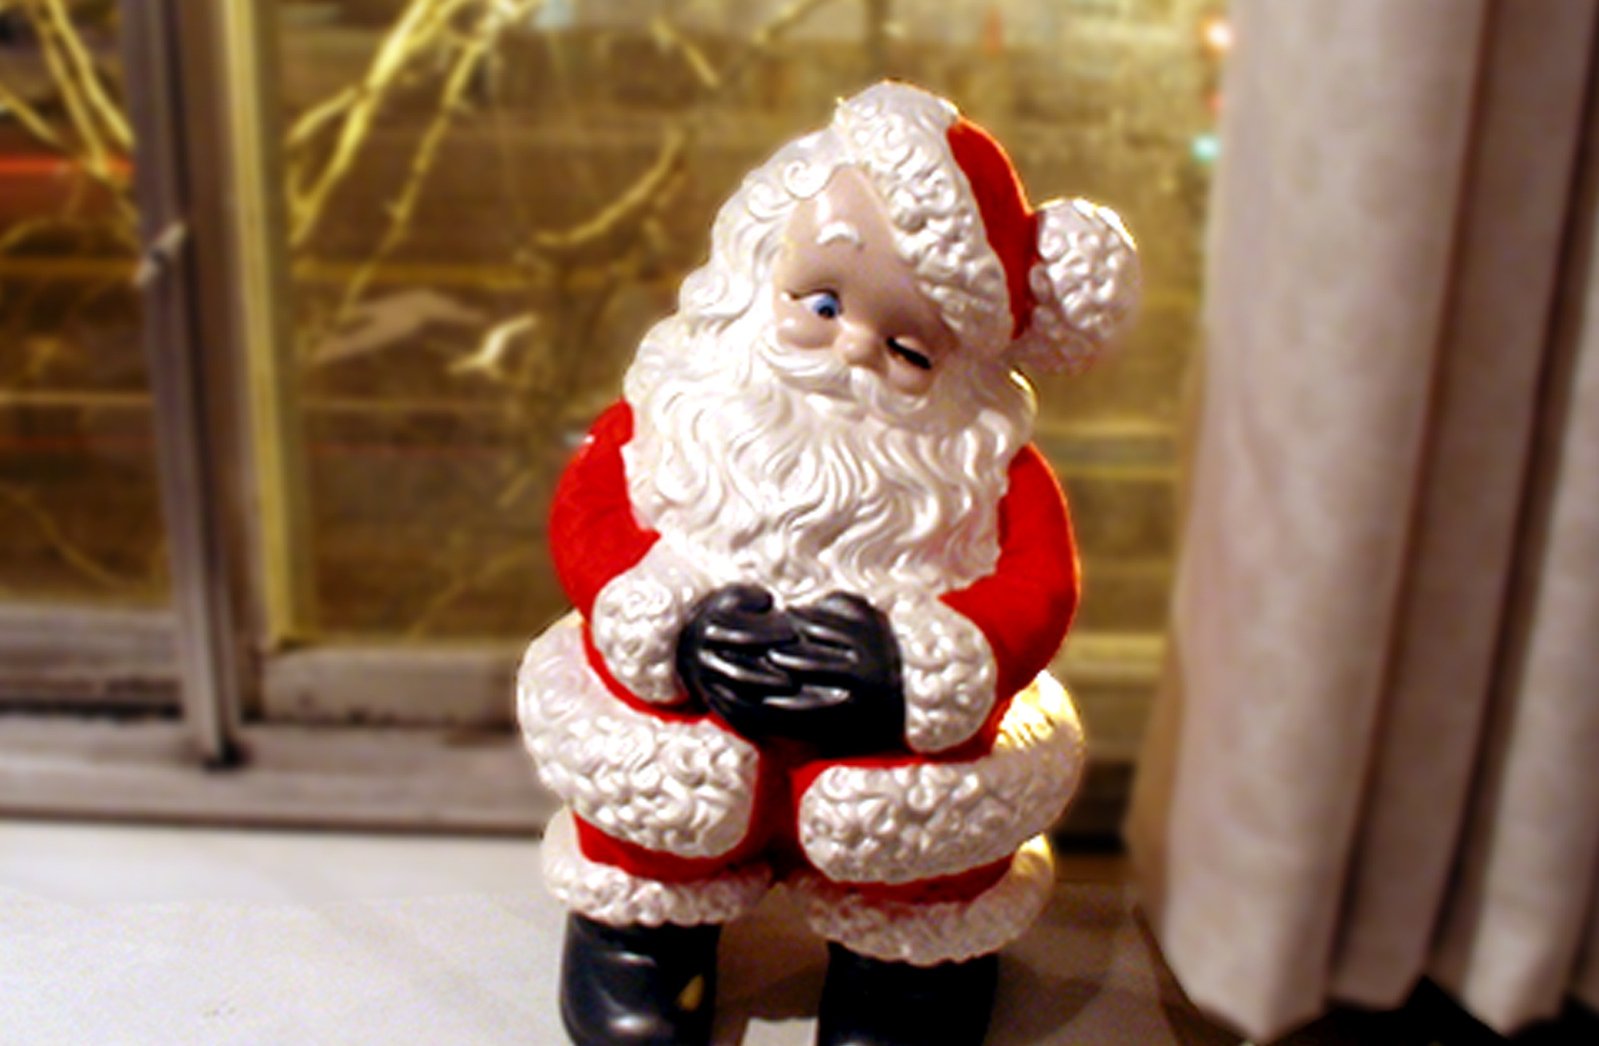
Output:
x=171 y=936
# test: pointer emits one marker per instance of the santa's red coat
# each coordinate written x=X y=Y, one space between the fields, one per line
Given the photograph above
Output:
x=667 y=794
x=1024 y=608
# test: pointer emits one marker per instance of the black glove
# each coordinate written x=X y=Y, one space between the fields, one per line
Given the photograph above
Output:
x=846 y=664
x=722 y=651
x=827 y=675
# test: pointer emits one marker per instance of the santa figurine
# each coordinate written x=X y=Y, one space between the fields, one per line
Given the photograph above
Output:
x=819 y=572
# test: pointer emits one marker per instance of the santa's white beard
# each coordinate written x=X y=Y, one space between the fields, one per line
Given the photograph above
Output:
x=791 y=470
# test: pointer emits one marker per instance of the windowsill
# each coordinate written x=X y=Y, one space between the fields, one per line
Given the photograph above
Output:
x=171 y=935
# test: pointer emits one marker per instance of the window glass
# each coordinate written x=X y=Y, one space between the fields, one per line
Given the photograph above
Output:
x=80 y=516
x=488 y=204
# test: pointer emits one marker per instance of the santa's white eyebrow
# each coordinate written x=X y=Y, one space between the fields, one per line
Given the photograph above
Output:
x=837 y=230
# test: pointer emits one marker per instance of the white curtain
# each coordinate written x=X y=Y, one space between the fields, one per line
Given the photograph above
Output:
x=1376 y=753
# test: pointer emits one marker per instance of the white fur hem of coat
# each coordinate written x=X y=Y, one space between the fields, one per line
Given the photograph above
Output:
x=675 y=786
x=636 y=620
x=948 y=673
x=899 y=824
x=943 y=931
x=610 y=895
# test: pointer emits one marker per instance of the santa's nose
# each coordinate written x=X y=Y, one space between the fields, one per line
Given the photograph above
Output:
x=858 y=347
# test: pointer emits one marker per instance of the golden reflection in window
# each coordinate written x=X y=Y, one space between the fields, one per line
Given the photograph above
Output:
x=80 y=516
x=488 y=203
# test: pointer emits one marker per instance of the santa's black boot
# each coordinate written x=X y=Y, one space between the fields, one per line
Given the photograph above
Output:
x=869 y=1002
x=638 y=985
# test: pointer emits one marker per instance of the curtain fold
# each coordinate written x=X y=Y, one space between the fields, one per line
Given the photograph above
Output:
x=1586 y=984
x=1515 y=924
x=1514 y=210
x=1317 y=815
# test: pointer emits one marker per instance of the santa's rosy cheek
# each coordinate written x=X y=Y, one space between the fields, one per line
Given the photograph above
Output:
x=802 y=329
x=910 y=382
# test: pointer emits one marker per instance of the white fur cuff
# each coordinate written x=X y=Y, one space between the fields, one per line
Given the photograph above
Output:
x=613 y=896
x=869 y=824
x=681 y=787
x=948 y=673
x=944 y=931
x=636 y=620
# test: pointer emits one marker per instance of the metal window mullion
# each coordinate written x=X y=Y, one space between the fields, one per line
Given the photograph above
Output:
x=246 y=163
x=192 y=493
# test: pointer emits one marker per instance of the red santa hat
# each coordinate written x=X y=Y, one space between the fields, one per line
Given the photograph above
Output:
x=1046 y=287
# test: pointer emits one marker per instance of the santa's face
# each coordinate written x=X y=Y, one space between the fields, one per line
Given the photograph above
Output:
x=829 y=433
x=839 y=286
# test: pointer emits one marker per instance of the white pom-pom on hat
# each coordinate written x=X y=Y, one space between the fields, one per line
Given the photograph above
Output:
x=1085 y=285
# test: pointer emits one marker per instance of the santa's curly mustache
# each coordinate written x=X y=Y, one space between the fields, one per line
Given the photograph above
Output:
x=788 y=465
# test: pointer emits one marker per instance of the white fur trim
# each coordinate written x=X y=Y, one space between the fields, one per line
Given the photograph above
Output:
x=636 y=620
x=924 y=820
x=943 y=931
x=898 y=135
x=683 y=788
x=619 y=898
x=1086 y=285
x=948 y=674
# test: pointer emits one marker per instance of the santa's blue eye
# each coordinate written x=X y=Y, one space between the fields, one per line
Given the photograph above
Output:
x=824 y=304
